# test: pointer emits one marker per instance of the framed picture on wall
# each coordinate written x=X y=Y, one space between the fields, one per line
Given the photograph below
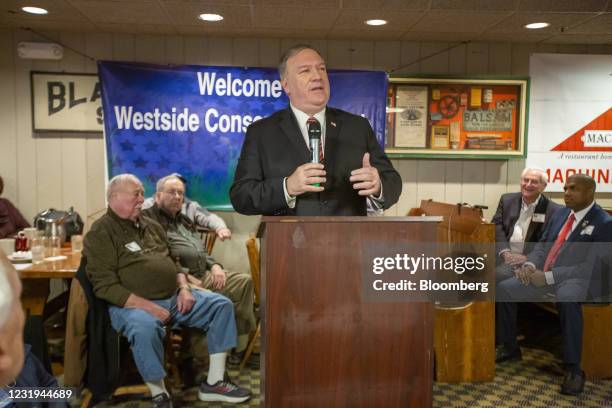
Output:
x=457 y=117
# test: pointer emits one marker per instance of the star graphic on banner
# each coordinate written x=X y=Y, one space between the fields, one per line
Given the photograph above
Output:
x=152 y=177
x=127 y=146
x=150 y=146
x=140 y=163
x=162 y=164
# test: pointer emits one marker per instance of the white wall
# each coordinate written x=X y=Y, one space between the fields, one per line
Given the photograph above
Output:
x=68 y=170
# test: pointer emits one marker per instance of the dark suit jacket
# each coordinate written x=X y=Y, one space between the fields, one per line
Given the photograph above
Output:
x=579 y=257
x=507 y=214
x=274 y=147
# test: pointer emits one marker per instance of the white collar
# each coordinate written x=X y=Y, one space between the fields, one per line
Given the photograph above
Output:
x=532 y=205
x=582 y=213
x=302 y=117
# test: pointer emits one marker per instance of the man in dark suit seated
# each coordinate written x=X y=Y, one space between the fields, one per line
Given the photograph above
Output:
x=519 y=224
x=575 y=241
x=274 y=175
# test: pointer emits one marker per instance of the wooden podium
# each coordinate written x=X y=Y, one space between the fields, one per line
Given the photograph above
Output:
x=323 y=343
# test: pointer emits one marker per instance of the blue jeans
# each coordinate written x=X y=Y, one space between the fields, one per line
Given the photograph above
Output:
x=212 y=313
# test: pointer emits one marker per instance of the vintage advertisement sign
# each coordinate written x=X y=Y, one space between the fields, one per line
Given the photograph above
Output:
x=66 y=102
x=571 y=117
x=495 y=120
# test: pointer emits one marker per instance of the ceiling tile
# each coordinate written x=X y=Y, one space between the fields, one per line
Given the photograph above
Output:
x=437 y=36
x=126 y=28
x=71 y=26
x=294 y=18
x=203 y=4
x=513 y=37
x=348 y=34
x=334 y=4
x=598 y=25
x=563 y=5
x=59 y=10
x=396 y=20
x=605 y=39
x=457 y=21
x=397 y=5
x=476 y=5
x=233 y=16
x=143 y=12
x=516 y=22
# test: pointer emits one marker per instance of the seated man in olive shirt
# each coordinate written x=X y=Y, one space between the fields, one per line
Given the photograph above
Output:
x=186 y=245
x=129 y=267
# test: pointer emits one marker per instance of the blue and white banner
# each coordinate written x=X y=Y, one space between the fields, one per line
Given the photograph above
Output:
x=192 y=119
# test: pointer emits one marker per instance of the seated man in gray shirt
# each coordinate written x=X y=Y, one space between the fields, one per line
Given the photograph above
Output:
x=204 y=271
x=199 y=215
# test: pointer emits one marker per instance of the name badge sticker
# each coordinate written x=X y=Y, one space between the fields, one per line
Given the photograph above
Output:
x=588 y=230
x=538 y=217
x=133 y=246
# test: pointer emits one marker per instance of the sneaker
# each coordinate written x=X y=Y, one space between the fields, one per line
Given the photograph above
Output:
x=161 y=401
x=223 y=391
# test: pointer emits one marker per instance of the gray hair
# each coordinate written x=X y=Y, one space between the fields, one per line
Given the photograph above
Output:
x=159 y=187
x=118 y=181
x=282 y=64
x=541 y=173
x=6 y=297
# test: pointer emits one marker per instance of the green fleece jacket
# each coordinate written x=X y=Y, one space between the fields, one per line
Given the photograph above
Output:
x=124 y=257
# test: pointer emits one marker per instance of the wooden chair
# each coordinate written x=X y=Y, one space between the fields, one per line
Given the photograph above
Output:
x=209 y=237
x=253 y=254
x=464 y=334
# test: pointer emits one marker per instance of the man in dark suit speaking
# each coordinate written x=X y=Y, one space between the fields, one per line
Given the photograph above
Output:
x=274 y=175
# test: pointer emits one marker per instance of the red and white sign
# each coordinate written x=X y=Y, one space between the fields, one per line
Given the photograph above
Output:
x=570 y=117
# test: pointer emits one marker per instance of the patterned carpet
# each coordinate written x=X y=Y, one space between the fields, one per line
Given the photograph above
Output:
x=533 y=382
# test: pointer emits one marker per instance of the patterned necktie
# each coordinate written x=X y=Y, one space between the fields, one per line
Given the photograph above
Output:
x=554 y=251
x=313 y=120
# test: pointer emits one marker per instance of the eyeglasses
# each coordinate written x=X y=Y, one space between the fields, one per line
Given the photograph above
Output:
x=175 y=192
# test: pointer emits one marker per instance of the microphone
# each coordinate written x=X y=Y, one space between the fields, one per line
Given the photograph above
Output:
x=314 y=141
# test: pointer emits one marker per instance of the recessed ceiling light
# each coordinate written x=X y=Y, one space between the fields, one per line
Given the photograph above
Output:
x=34 y=10
x=211 y=17
x=534 y=26
x=376 y=22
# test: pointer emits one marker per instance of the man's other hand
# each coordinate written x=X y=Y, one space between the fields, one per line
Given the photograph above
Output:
x=512 y=258
x=218 y=277
x=224 y=233
x=524 y=274
x=137 y=302
x=538 y=278
x=366 y=179
x=184 y=301
x=304 y=177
